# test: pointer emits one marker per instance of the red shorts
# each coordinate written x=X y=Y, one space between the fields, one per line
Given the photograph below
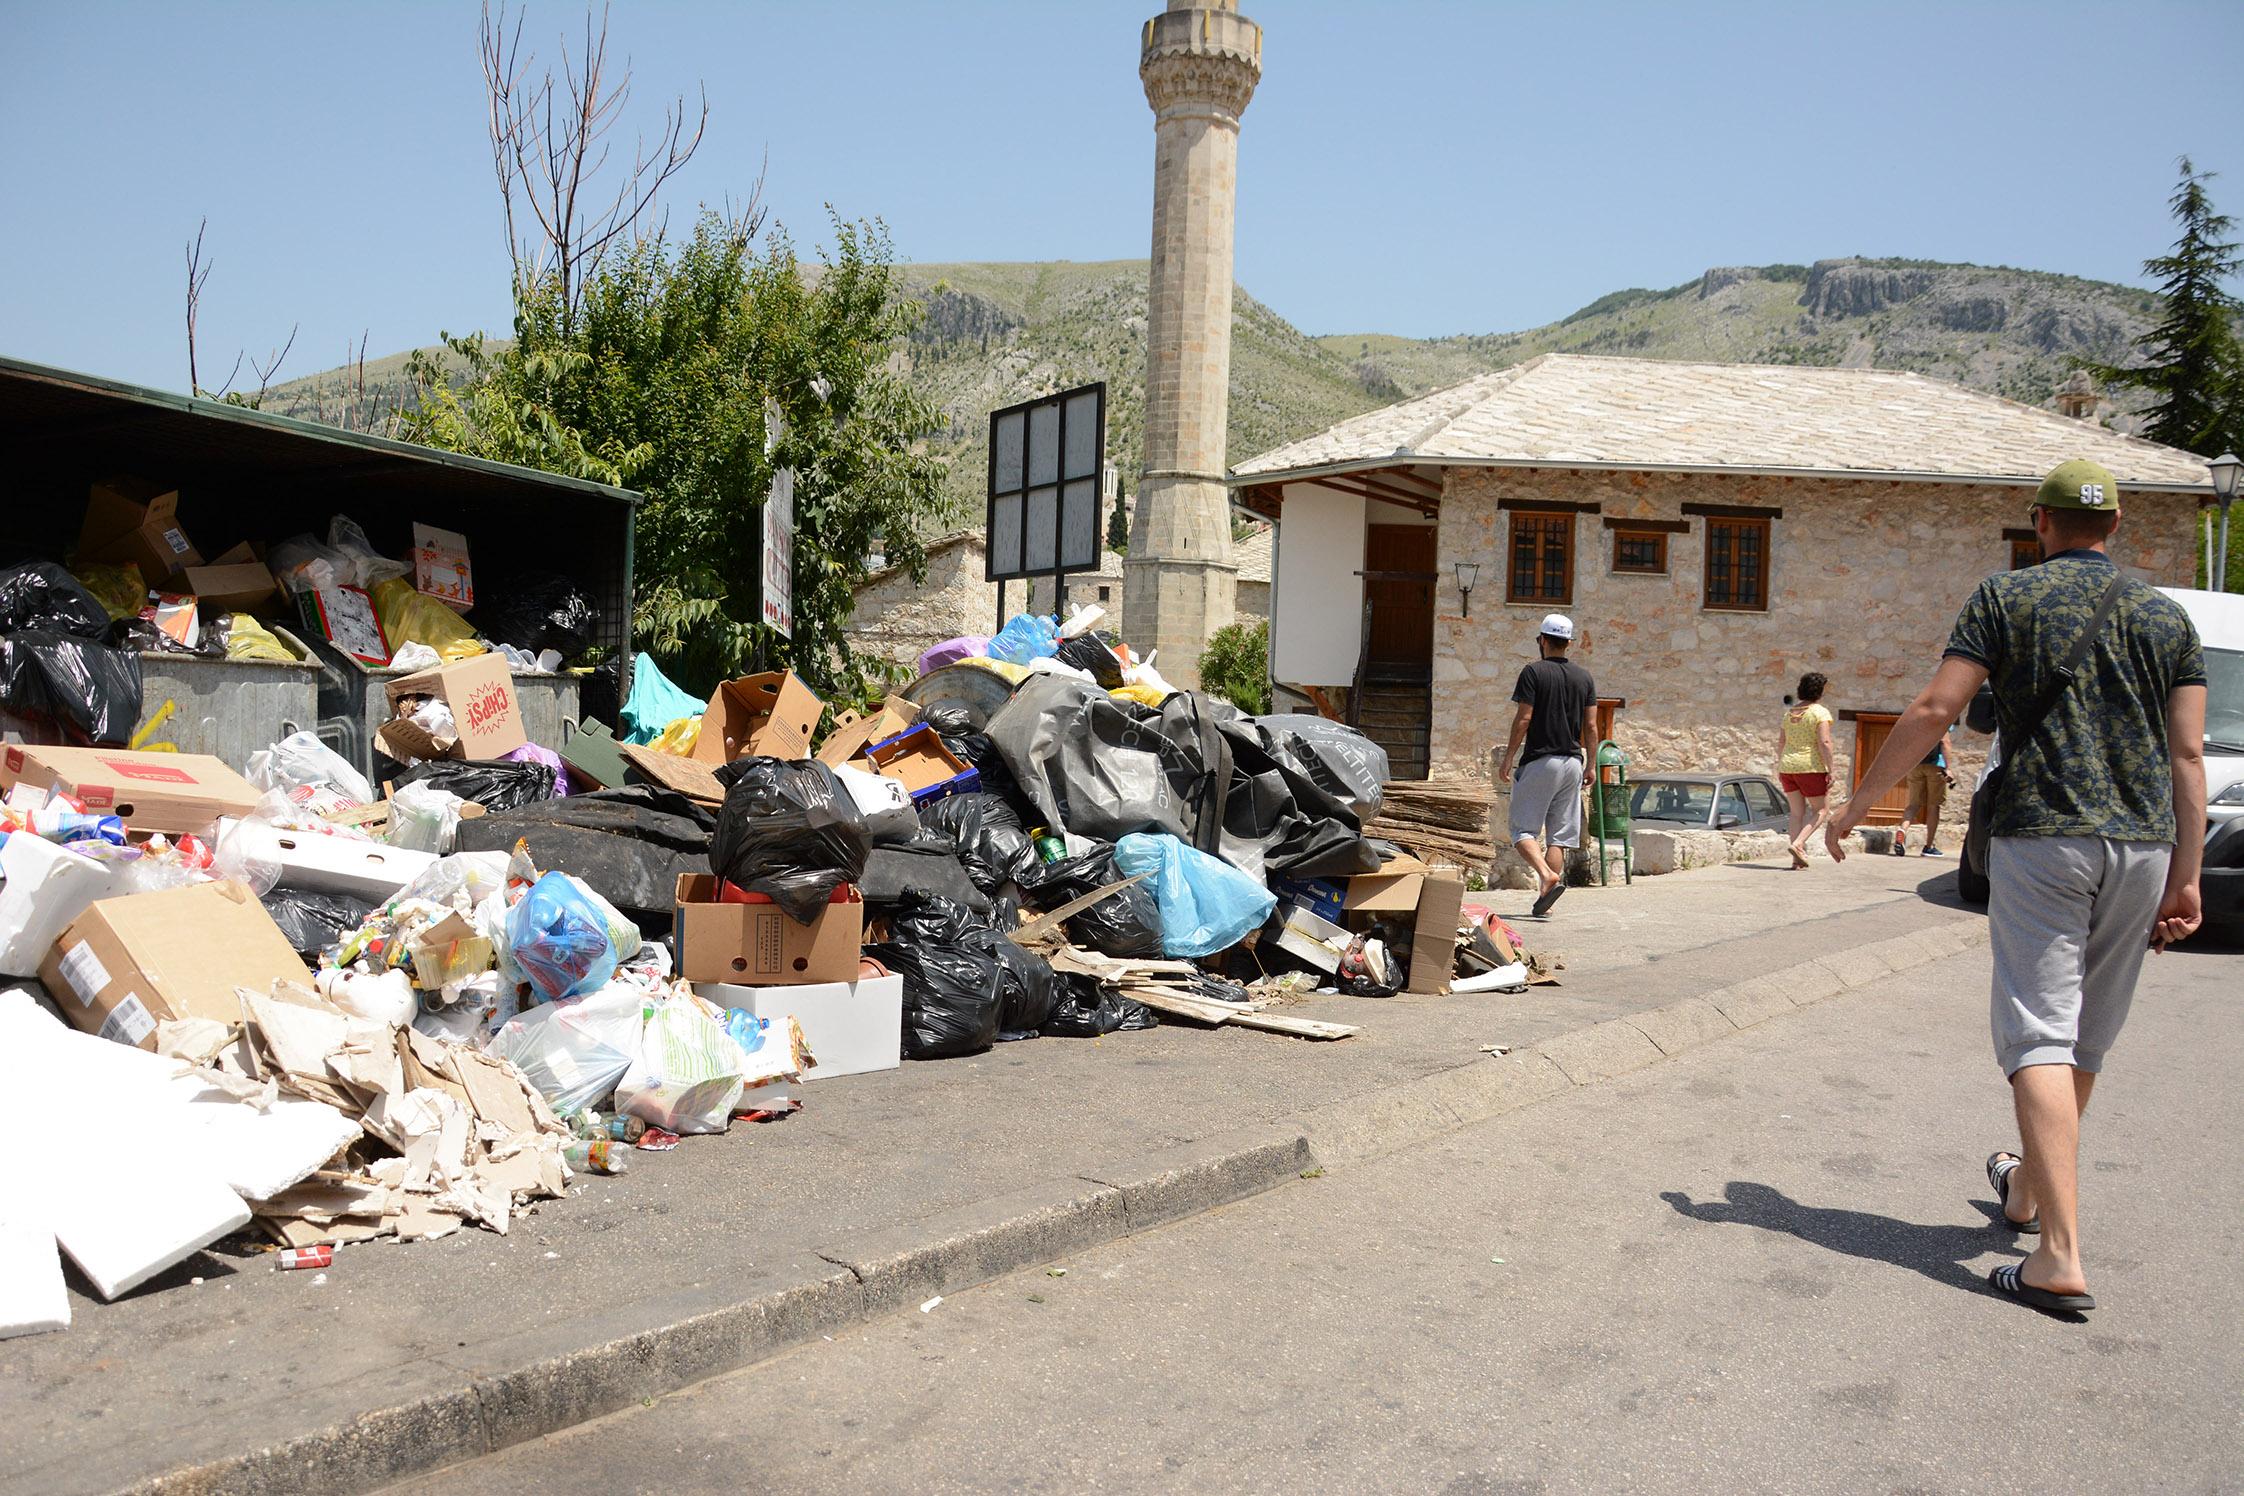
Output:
x=1814 y=786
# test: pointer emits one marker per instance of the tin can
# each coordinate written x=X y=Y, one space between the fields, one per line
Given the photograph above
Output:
x=295 y=1257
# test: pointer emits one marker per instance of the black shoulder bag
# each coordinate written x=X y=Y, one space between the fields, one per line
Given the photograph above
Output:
x=1990 y=784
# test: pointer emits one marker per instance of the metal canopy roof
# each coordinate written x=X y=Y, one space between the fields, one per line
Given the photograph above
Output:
x=162 y=431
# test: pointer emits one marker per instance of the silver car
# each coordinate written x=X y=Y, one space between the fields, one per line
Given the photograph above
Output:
x=1708 y=802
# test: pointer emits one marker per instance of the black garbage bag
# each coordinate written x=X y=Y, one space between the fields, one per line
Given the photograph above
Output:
x=496 y=784
x=1101 y=768
x=88 y=689
x=1090 y=654
x=955 y=726
x=895 y=873
x=991 y=842
x=1280 y=819
x=141 y=636
x=1351 y=767
x=539 y=611
x=1085 y=1010
x=313 y=922
x=41 y=595
x=788 y=830
x=1126 y=923
x=600 y=694
x=629 y=844
x=922 y=918
x=1027 y=985
x=954 y=979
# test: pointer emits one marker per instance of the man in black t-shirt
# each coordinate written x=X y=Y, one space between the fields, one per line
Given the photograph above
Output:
x=1556 y=698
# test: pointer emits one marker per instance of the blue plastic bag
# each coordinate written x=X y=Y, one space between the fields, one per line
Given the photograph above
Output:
x=559 y=939
x=1206 y=904
x=1025 y=637
x=654 y=702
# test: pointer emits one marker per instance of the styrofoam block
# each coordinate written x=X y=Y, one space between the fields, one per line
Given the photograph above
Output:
x=122 y=1220
x=336 y=864
x=32 y=1296
x=46 y=887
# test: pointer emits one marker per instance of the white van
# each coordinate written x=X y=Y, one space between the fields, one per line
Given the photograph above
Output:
x=2219 y=617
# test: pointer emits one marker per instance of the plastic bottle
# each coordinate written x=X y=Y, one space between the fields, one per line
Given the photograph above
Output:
x=1048 y=847
x=627 y=1129
x=594 y=1156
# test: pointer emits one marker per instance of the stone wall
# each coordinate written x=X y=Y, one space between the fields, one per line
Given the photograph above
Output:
x=896 y=618
x=1865 y=579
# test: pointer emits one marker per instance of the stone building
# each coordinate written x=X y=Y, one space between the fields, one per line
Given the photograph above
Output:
x=1714 y=531
x=896 y=619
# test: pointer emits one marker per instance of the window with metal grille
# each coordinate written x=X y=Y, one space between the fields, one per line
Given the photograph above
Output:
x=1542 y=569
x=1737 y=564
x=1643 y=551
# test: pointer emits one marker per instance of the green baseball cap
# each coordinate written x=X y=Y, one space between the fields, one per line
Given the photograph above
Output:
x=2079 y=484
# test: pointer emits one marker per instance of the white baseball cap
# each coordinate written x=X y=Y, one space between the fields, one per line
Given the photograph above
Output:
x=1557 y=626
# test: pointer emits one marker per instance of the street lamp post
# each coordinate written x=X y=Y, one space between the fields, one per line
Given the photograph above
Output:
x=2226 y=469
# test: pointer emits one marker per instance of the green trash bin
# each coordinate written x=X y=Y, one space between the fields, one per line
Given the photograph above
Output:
x=1609 y=813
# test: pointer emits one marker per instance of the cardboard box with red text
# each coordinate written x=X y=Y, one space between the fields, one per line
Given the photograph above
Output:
x=167 y=792
x=486 y=717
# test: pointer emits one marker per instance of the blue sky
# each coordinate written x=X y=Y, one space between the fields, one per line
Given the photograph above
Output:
x=1417 y=168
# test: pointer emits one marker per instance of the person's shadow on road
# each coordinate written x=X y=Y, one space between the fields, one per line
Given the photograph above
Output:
x=1938 y=1252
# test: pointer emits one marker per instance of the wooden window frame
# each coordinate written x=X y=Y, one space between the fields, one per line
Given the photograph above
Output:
x=1549 y=522
x=1658 y=538
x=1757 y=524
x=2023 y=543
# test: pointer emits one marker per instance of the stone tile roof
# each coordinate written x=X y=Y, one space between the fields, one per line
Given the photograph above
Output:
x=1571 y=410
x=1252 y=556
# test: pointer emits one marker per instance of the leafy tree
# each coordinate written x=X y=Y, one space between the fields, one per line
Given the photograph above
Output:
x=660 y=375
x=1236 y=665
x=2193 y=366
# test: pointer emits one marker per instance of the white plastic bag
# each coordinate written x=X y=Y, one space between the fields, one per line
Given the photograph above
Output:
x=368 y=566
x=689 y=1074
x=574 y=1051
x=411 y=656
x=423 y=818
x=301 y=761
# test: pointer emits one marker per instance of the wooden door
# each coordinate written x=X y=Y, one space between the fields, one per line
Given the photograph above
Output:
x=1601 y=725
x=1871 y=729
x=1399 y=584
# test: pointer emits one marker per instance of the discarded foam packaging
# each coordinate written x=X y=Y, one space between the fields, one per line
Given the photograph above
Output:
x=884 y=803
x=317 y=863
x=591 y=753
x=237 y=582
x=168 y=792
x=772 y=714
x=132 y=519
x=46 y=887
x=32 y=1296
x=755 y=944
x=850 y=1028
x=917 y=758
x=127 y=964
x=486 y=716
x=345 y=618
x=852 y=733
x=1313 y=938
x=440 y=567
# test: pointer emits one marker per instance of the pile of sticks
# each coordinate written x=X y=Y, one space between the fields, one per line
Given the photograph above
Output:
x=1439 y=820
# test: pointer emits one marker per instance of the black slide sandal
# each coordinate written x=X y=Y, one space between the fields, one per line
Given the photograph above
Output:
x=2010 y=1279
x=1542 y=905
x=1998 y=1179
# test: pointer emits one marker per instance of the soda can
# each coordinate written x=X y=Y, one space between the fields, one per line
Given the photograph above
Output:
x=295 y=1257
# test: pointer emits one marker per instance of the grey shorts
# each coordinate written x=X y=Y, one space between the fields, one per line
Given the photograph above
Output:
x=1547 y=801
x=2069 y=918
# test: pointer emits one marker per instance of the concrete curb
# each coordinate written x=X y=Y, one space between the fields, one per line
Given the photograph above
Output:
x=546 y=1379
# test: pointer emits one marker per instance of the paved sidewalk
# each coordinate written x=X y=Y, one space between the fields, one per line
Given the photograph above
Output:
x=176 y=1375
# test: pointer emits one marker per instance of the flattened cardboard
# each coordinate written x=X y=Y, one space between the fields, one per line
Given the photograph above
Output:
x=852 y=734
x=128 y=964
x=1433 y=940
x=1394 y=889
x=592 y=756
x=132 y=519
x=772 y=714
x=918 y=760
x=755 y=944
x=233 y=587
x=440 y=567
x=696 y=781
x=168 y=792
x=486 y=716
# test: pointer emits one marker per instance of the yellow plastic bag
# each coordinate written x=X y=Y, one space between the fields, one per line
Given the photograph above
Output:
x=1143 y=695
x=412 y=617
x=1014 y=673
x=119 y=589
x=679 y=737
x=247 y=639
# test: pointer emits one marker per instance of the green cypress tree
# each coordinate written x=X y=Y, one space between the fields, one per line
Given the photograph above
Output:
x=2193 y=366
x=1118 y=523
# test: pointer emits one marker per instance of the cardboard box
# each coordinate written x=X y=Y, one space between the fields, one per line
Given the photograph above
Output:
x=1320 y=896
x=486 y=717
x=168 y=792
x=852 y=734
x=772 y=714
x=927 y=769
x=127 y=964
x=1434 y=902
x=693 y=779
x=237 y=587
x=1394 y=889
x=755 y=944
x=131 y=519
x=345 y=618
x=440 y=567
x=1314 y=939
x=851 y=1027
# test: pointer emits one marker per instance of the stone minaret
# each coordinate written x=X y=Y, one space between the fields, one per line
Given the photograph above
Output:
x=1200 y=63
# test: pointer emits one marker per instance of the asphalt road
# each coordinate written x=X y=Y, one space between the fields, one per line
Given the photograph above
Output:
x=1759 y=1266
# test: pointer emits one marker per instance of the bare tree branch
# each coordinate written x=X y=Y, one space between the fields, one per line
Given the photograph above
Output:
x=265 y=371
x=197 y=273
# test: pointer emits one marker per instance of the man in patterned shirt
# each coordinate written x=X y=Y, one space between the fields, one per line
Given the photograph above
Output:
x=2097 y=835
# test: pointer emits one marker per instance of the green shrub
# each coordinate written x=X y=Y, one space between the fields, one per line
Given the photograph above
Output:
x=1236 y=665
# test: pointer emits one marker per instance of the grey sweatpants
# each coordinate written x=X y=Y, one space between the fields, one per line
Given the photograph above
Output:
x=1547 y=801
x=2070 y=920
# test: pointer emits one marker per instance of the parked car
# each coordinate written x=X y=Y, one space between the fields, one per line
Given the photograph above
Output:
x=1708 y=802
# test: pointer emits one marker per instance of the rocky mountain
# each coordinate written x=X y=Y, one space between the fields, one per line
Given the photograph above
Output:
x=996 y=333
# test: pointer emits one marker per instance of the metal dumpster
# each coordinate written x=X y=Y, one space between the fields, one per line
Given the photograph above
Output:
x=229 y=708
x=354 y=702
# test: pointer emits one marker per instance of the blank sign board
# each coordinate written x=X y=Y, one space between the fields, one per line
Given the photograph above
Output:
x=1045 y=460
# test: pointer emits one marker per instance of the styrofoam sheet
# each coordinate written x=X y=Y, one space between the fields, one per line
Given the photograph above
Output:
x=851 y=1027
x=46 y=887
x=32 y=1297
x=337 y=864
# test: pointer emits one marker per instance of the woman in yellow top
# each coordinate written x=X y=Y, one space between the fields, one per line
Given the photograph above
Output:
x=1804 y=762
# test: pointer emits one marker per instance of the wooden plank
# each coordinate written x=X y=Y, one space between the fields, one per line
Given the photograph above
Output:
x=1299 y=1028
x=1209 y=1011
x=1044 y=924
